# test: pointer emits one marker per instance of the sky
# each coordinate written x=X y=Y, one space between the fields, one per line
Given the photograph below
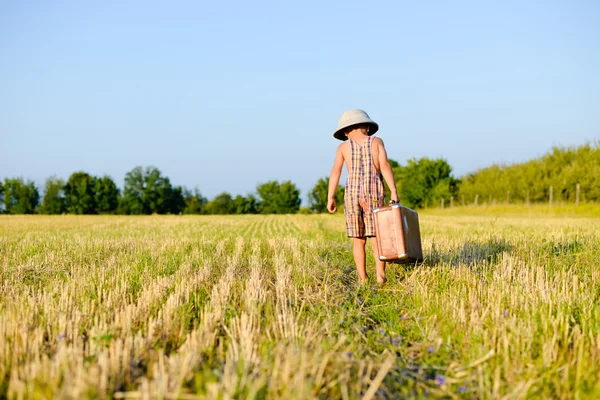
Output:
x=226 y=95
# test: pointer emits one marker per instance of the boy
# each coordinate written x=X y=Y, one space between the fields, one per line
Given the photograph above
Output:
x=366 y=160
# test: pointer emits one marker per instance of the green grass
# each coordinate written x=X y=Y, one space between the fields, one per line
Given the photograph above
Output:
x=506 y=304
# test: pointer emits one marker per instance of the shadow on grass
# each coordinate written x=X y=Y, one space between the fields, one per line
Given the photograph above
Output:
x=469 y=253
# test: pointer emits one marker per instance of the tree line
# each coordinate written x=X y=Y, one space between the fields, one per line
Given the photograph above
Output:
x=421 y=183
x=146 y=191
x=568 y=174
x=561 y=171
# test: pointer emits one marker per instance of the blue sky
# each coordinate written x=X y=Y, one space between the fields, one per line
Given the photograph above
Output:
x=225 y=95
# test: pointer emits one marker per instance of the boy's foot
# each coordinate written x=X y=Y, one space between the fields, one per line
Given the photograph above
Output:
x=362 y=282
x=382 y=280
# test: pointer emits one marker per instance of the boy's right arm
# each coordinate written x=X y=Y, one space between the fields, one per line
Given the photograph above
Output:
x=334 y=179
x=386 y=171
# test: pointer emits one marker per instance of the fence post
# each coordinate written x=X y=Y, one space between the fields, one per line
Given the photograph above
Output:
x=451 y=201
x=578 y=189
x=490 y=200
x=551 y=194
x=463 y=200
x=508 y=197
x=476 y=199
x=527 y=196
x=442 y=204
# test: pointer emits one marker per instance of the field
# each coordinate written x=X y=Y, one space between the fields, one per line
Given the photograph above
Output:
x=506 y=305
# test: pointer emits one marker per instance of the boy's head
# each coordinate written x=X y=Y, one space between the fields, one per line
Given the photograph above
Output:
x=360 y=128
x=355 y=119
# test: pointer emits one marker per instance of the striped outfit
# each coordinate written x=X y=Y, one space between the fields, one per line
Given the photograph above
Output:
x=364 y=191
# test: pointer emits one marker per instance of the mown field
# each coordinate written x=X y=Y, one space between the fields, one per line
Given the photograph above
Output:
x=505 y=305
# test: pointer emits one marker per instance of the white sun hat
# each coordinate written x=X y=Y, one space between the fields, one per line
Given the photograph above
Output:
x=354 y=117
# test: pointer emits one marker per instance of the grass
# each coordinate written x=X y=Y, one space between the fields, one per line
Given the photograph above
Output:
x=505 y=305
x=523 y=210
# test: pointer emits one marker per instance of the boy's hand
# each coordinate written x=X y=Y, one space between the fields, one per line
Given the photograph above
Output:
x=331 y=207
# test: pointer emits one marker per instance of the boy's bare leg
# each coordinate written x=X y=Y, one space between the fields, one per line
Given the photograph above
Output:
x=358 y=250
x=379 y=265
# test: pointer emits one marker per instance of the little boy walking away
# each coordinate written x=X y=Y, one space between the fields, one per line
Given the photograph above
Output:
x=367 y=163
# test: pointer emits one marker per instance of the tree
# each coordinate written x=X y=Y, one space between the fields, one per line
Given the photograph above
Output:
x=20 y=197
x=177 y=201
x=79 y=194
x=424 y=182
x=1 y=196
x=194 y=201
x=245 y=205
x=318 y=196
x=106 y=195
x=146 y=191
x=54 y=201
x=278 y=198
x=221 y=204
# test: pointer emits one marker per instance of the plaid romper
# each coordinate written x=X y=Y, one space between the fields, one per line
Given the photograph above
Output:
x=364 y=191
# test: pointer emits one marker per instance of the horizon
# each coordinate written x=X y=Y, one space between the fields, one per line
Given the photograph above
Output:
x=225 y=97
x=303 y=195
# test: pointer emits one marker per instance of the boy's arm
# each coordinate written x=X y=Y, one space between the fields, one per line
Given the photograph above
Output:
x=334 y=179
x=386 y=171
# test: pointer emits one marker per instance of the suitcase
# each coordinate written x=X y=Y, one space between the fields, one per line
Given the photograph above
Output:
x=397 y=234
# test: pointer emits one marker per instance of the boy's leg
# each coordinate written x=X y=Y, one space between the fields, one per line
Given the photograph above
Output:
x=379 y=265
x=358 y=250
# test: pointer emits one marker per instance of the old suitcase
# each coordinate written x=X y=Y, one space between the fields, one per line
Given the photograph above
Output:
x=398 y=237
